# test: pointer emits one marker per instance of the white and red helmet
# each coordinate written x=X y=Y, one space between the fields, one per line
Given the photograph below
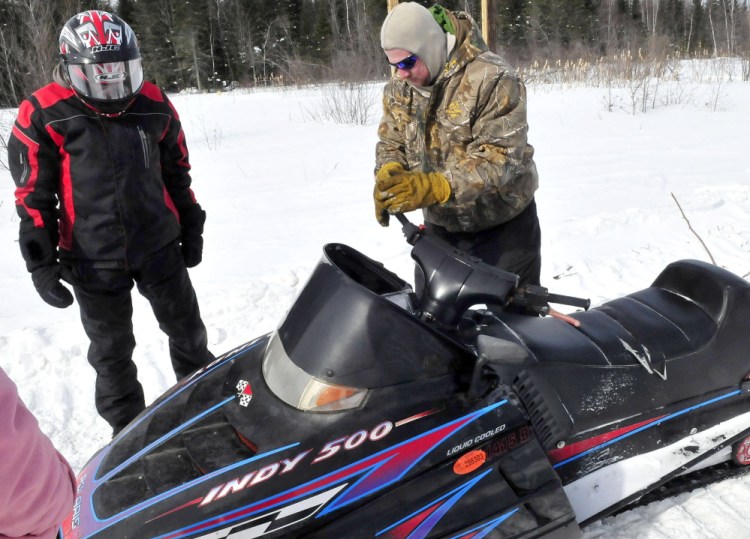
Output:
x=102 y=60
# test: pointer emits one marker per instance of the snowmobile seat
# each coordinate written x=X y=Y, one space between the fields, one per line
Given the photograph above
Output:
x=647 y=327
x=677 y=315
x=656 y=346
x=708 y=286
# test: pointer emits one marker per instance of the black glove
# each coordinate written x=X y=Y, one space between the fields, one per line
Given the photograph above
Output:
x=192 y=250
x=192 y=221
x=46 y=280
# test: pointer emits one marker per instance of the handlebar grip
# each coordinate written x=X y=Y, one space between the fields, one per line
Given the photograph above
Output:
x=583 y=303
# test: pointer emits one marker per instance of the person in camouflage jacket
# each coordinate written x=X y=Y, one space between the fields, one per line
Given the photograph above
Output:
x=455 y=143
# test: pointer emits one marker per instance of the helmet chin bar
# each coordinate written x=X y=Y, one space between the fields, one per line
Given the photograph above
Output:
x=110 y=109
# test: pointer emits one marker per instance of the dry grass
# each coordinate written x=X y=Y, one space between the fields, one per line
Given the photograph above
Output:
x=636 y=82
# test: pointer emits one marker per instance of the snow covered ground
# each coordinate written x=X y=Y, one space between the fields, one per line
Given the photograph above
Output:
x=278 y=185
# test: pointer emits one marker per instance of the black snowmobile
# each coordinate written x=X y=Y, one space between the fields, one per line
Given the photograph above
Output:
x=375 y=410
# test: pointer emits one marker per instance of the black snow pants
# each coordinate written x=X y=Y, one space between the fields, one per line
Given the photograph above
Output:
x=513 y=246
x=105 y=302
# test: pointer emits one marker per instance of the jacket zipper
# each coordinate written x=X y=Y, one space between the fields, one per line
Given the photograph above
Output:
x=144 y=145
x=25 y=174
x=118 y=195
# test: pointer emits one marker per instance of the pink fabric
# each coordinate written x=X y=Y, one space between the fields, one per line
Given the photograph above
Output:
x=37 y=485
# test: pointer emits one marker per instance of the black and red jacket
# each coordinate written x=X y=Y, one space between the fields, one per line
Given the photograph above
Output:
x=104 y=189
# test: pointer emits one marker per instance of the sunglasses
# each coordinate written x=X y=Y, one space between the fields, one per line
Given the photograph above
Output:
x=407 y=63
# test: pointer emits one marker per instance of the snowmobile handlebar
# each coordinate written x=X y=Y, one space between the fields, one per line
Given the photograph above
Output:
x=452 y=281
x=536 y=299
x=411 y=231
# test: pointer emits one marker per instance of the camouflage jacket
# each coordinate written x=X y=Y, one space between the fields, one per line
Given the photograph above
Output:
x=471 y=126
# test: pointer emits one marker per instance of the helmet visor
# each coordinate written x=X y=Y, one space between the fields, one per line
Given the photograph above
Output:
x=109 y=81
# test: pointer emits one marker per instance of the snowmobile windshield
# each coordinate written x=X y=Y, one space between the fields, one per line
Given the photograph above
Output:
x=352 y=330
x=301 y=390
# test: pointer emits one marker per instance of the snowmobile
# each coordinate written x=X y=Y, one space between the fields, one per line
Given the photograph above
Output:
x=453 y=408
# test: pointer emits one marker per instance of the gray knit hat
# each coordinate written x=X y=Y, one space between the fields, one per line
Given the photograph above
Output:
x=411 y=26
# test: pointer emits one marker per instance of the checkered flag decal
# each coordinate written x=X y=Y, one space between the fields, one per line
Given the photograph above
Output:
x=244 y=392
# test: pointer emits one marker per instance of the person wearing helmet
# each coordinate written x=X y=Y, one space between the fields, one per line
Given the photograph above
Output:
x=453 y=140
x=103 y=192
x=101 y=61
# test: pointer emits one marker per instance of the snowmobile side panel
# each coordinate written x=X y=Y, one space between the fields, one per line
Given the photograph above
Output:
x=513 y=491
x=594 y=496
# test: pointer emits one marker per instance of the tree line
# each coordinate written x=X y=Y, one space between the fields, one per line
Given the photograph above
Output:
x=213 y=45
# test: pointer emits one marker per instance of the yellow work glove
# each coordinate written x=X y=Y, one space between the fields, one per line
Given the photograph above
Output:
x=386 y=171
x=409 y=191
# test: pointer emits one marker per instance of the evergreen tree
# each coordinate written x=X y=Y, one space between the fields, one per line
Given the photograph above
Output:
x=126 y=10
x=673 y=24
x=207 y=44
x=698 y=29
x=513 y=24
x=154 y=23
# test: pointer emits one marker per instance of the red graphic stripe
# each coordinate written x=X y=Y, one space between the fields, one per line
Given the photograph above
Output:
x=67 y=217
x=390 y=464
x=558 y=455
x=403 y=530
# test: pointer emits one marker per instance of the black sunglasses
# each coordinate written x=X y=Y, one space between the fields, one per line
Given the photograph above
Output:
x=407 y=63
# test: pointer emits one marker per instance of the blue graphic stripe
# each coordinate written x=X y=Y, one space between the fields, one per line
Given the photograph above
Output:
x=225 y=520
x=181 y=427
x=487 y=527
x=473 y=416
x=156 y=499
x=430 y=522
x=227 y=517
x=218 y=364
x=456 y=493
x=156 y=443
x=644 y=427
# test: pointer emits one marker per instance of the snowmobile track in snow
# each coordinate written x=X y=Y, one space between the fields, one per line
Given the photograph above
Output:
x=688 y=482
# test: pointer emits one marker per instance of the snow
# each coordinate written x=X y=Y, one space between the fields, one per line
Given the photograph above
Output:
x=278 y=185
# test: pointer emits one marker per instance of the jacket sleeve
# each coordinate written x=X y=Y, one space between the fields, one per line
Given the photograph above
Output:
x=38 y=484
x=34 y=165
x=498 y=154
x=175 y=166
x=391 y=144
x=175 y=161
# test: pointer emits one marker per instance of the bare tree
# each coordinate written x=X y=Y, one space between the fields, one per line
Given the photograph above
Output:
x=713 y=29
x=9 y=65
x=29 y=43
x=651 y=15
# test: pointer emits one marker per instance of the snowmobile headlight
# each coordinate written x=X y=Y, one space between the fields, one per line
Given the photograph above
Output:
x=299 y=389
x=320 y=396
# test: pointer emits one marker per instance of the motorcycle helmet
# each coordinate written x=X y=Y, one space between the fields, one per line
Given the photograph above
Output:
x=101 y=60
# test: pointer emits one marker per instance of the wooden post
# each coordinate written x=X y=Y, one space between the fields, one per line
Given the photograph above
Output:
x=488 y=23
x=391 y=5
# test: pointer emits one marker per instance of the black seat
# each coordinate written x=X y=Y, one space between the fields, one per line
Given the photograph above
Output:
x=676 y=316
x=651 y=348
